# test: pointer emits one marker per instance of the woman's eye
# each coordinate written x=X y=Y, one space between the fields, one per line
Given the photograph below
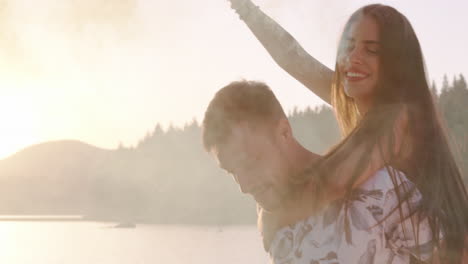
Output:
x=372 y=51
x=349 y=47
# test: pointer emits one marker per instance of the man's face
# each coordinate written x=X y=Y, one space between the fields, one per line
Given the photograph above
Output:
x=254 y=158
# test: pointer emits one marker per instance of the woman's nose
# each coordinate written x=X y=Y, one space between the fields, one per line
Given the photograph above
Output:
x=354 y=56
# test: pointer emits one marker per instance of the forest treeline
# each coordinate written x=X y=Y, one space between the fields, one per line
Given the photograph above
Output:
x=168 y=177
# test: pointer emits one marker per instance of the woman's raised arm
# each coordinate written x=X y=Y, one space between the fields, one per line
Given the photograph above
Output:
x=285 y=50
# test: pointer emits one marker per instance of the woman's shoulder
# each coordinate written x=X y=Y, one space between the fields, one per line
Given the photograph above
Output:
x=387 y=179
x=395 y=190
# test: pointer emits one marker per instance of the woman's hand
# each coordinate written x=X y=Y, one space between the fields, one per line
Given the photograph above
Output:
x=267 y=224
x=242 y=7
x=285 y=50
x=238 y=4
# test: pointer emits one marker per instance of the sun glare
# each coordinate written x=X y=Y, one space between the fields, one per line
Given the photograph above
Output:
x=17 y=123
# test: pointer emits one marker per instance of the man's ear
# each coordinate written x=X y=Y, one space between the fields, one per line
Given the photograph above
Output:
x=284 y=129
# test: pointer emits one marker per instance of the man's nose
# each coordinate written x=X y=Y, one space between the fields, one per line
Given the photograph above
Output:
x=245 y=184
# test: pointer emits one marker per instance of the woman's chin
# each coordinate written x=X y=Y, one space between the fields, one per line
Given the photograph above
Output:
x=357 y=93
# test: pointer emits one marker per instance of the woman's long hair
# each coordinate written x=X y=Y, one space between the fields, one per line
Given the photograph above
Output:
x=425 y=156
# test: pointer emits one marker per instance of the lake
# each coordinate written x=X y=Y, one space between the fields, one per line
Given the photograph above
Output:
x=44 y=242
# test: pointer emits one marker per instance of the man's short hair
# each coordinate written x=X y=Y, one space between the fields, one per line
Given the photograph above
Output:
x=249 y=101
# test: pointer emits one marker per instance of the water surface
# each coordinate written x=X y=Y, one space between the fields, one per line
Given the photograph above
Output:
x=28 y=242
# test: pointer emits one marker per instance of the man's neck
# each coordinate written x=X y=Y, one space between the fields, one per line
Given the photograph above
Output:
x=301 y=159
x=303 y=200
x=305 y=205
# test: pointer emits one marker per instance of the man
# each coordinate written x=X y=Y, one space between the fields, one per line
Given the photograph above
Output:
x=248 y=133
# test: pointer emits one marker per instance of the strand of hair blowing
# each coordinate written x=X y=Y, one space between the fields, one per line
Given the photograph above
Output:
x=431 y=167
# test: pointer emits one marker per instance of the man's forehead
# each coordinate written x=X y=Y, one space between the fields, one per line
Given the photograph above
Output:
x=229 y=156
x=234 y=150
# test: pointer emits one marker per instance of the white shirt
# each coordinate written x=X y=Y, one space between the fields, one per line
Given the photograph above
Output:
x=374 y=231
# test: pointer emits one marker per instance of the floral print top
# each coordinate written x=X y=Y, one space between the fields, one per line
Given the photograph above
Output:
x=376 y=229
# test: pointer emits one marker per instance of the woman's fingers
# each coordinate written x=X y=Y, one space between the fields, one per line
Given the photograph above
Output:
x=237 y=4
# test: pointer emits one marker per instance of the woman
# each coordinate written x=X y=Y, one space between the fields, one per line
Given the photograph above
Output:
x=387 y=116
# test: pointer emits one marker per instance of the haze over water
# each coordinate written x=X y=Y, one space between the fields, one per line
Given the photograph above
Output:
x=98 y=243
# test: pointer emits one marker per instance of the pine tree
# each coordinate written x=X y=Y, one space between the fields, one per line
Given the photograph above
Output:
x=445 y=83
x=455 y=82
x=462 y=82
x=434 y=91
x=453 y=104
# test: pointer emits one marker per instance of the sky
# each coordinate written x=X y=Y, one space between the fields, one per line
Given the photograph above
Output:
x=106 y=72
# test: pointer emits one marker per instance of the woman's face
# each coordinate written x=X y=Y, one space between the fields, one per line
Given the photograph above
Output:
x=358 y=60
